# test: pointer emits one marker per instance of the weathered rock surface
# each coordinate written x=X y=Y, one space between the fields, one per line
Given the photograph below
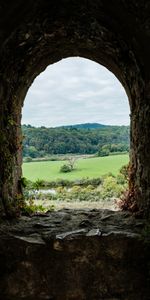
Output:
x=74 y=255
x=35 y=34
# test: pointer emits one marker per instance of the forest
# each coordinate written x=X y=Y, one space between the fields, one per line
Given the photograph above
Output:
x=76 y=139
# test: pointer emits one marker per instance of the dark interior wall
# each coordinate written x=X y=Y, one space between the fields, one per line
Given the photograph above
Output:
x=35 y=34
x=52 y=258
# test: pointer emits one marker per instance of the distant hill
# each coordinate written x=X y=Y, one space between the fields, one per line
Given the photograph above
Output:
x=86 y=138
x=85 y=126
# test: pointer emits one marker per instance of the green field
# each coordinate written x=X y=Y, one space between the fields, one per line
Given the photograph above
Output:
x=91 y=168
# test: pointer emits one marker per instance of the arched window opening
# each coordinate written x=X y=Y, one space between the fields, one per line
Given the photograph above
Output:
x=76 y=137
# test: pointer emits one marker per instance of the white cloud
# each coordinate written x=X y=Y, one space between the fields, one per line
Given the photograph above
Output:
x=75 y=90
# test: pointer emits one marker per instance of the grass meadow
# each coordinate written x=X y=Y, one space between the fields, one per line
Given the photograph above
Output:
x=90 y=167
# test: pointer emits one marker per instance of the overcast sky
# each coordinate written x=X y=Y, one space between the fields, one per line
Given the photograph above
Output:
x=73 y=91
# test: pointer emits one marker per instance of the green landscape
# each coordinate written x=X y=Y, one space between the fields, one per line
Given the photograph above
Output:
x=84 y=167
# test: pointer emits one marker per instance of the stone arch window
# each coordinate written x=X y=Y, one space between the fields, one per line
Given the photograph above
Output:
x=45 y=32
x=72 y=91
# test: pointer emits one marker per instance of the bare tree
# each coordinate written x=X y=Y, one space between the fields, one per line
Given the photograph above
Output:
x=71 y=161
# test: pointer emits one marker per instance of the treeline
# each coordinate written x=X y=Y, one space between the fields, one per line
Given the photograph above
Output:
x=42 y=141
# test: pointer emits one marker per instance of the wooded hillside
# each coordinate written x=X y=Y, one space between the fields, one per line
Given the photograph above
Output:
x=42 y=141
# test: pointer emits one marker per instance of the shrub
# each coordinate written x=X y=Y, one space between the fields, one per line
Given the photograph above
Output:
x=120 y=179
x=90 y=187
x=65 y=169
x=110 y=188
x=88 y=181
x=30 y=208
x=124 y=171
x=38 y=184
x=76 y=189
x=63 y=182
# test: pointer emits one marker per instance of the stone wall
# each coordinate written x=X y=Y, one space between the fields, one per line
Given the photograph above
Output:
x=35 y=34
x=75 y=255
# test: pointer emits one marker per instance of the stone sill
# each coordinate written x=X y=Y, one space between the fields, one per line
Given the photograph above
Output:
x=74 y=255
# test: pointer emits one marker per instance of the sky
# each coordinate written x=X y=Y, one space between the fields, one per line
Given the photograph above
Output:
x=73 y=91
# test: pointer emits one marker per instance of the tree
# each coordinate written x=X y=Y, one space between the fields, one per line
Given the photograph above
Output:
x=32 y=152
x=74 y=141
x=71 y=162
x=104 y=150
